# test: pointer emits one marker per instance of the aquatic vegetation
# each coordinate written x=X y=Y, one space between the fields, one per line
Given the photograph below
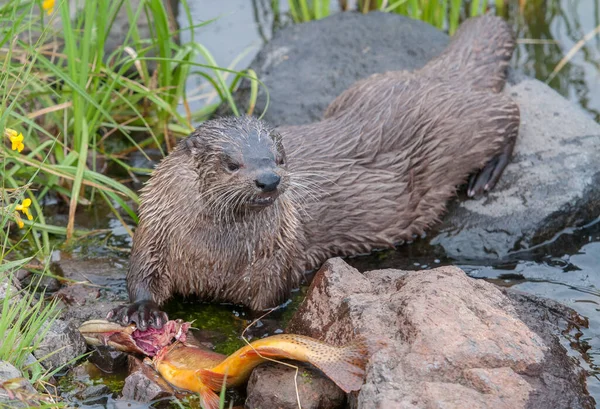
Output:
x=71 y=109
x=24 y=319
x=307 y=10
x=443 y=14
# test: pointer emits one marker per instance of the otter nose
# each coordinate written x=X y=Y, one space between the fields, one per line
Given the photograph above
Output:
x=267 y=182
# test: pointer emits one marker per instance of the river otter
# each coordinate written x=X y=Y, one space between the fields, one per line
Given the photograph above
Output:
x=229 y=217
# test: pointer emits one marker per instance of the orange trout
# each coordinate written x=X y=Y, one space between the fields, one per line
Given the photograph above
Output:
x=196 y=369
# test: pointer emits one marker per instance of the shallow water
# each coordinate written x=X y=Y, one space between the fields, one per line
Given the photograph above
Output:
x=566 y=269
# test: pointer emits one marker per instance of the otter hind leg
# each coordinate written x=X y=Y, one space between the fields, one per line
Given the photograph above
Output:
x=486 y=178
x=500 y=130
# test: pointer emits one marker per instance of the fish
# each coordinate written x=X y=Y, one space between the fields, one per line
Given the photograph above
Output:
x=193 y=368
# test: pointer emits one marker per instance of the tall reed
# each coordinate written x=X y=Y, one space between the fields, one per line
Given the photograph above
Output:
x=307 y=10
x=444 y=14
x=82 y=109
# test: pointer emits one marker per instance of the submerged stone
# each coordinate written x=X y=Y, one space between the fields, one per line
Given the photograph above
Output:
x=100 y=271
x=77 y=295
x=100 y=287
x=93 y=394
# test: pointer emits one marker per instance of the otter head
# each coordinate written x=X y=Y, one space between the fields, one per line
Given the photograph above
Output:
x=241 y=163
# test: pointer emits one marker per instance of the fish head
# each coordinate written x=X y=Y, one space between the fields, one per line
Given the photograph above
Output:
x=114 y=335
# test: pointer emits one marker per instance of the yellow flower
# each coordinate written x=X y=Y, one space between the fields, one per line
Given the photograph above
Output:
x=16 y=139
x=24 y=208
x=48 y=5
x=19 y=221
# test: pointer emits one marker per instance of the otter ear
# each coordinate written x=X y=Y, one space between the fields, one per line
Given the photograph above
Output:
x=193 y=145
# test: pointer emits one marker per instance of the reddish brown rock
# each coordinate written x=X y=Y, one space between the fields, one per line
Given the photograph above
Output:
x=274 y=386
x=453 y=341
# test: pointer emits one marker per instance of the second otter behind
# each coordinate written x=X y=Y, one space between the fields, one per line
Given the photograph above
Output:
x=229 y=217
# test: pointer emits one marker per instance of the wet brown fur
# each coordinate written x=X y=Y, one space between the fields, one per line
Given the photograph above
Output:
x=377 y=170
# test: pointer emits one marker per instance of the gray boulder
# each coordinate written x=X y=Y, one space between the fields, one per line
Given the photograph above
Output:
x=452 y=341
x=305 y=66
x=83 y=301
x=552 y=181
x=61 y=344
x=9 y=288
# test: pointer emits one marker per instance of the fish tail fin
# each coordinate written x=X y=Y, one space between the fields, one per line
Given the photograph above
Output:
x=208 y=398
x=346 y=365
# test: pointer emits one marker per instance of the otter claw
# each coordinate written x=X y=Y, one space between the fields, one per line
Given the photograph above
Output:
x=485 y=180
x=480 y=182
x=143 y=313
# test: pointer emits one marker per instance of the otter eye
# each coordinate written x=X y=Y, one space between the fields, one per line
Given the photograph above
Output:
x=232 y=167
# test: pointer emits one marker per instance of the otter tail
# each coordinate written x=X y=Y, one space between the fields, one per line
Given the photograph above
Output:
x=478 y=54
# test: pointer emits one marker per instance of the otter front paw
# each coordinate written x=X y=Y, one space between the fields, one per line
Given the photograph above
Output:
x=143 y=313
